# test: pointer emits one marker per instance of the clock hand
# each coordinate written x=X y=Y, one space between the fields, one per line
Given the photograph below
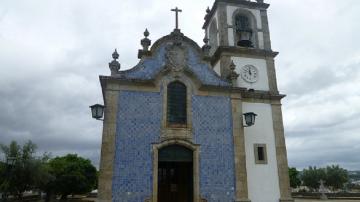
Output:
x=249 y=72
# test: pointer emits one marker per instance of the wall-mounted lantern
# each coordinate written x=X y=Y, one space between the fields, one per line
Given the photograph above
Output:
x=250 y=118
x=97 y=111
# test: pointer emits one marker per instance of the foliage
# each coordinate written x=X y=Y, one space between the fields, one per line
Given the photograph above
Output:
x=294 y=178
x=311 y=177
x=72 y=175
x=334 y=177
x=22 y=175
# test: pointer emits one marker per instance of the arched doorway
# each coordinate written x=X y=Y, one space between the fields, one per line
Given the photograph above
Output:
x=175 y=174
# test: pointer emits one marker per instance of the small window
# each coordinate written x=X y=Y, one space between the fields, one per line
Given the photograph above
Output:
x=260 y=154
x=176 y=104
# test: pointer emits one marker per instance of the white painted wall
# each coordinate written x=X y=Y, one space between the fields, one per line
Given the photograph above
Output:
x=231 y=9
x=263 y=180
x=260 y=64
x=217 y=68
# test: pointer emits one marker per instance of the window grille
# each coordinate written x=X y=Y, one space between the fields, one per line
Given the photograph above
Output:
x=176 y=104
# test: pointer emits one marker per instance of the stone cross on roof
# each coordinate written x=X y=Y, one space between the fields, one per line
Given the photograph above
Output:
x=176 y=10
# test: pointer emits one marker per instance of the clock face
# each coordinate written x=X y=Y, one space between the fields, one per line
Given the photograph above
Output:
x=249 y=73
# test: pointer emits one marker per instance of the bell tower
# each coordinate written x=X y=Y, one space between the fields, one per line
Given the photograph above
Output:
x=237 y=34
x=238 y=31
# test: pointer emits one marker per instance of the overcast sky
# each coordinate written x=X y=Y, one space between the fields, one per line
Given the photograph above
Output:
x=51 y=53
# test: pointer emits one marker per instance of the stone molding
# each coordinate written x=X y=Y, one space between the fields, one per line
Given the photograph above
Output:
x=265 y=29
x=243 y=3
x=281 y=155
x=108 y=146
x=270 y=64
x=241 y=186
x=241 y=52
x=168 y=132
x=222 y=28
x=117 y=84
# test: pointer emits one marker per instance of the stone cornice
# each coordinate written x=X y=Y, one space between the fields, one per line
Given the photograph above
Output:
x=237 y=51
x=263 y=95
x=245 y=94
x=243 y=3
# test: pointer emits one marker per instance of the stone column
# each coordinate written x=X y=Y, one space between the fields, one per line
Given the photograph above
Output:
x=265 y=28
x=281 y=156
x=241 y=187
x=270 y=64
x=108 y=146
x=223 y=25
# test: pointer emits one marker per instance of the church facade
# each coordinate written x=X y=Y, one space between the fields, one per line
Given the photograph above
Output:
x=179 y=126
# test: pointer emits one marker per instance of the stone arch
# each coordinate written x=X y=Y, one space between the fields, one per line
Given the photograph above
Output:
x=253 y=26
x=195 y=148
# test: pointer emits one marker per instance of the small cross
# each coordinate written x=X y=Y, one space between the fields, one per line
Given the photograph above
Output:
x=176 y=10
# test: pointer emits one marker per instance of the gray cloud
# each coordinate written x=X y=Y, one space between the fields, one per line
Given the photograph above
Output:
x=51 y=53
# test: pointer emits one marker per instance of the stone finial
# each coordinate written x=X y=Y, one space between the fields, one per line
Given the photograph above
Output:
x=207 y=13
x=208 y=10
x=146 y=33
x=233 y=76
x=114 y=65
x=145 y=42
x=206 y=47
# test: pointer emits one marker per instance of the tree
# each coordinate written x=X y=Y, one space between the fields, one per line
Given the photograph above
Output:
x=20 y=176
x=311 y=177
x=294 y=177
x=73 y=175
x=336 y=177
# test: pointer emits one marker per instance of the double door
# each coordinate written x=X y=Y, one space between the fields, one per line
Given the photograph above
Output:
x=175 y=182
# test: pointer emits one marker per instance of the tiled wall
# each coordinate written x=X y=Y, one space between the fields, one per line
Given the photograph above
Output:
x=213 y=130
x=150 y=67
x=138 y=125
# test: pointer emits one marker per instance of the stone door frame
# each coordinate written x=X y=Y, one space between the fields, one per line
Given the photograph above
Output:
x=196 y=150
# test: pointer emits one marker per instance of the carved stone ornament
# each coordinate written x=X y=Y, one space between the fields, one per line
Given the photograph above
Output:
x=176 y=57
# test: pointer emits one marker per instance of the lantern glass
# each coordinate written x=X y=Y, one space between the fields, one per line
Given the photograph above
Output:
x=97 y=111
x=250 y=118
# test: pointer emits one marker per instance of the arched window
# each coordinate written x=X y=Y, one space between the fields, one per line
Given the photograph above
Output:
x=176 y=104
x=243 y=31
